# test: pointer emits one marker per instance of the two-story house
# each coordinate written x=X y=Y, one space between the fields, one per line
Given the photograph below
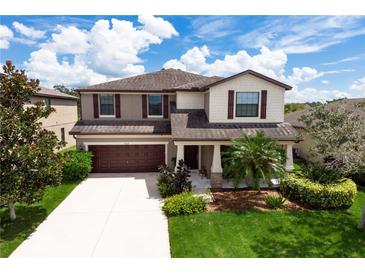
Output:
x=65 y=116
x=138 y=123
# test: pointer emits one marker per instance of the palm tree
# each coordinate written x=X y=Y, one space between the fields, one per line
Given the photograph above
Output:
x=257 y=157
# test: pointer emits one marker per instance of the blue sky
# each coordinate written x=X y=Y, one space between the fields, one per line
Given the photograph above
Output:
x=322 y=57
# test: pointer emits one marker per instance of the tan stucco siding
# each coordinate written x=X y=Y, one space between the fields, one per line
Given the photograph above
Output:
x=189 y=100
x=303 y=148
x=130 y=107
x=65 y=117
x=171 y=148
x=218 y=100
x=87 y=107
x=206 y=104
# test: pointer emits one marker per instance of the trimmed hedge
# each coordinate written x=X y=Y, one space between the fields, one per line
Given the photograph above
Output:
x=77 y=165
x=330 y=196
x=183 y=204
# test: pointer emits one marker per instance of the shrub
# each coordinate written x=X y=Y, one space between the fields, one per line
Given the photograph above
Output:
x=164 y=180
x=170 y=183
x=77 y=165
x=319 y=173
x=275 y=202
x=183 y=204
x=322 y=196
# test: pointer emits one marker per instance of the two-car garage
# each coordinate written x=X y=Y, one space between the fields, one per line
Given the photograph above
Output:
x=127 y=157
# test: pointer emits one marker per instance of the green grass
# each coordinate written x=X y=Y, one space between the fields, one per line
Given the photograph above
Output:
x=67 y=149
x=29 y=217
x=269 y=234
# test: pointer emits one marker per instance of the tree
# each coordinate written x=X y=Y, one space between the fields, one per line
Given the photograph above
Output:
x=28 y=159
x=291 y=107
x=257 y=157
x=339 y=135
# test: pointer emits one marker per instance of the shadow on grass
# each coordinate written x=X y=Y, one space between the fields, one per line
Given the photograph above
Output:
x=28 y=218
x=312 y=234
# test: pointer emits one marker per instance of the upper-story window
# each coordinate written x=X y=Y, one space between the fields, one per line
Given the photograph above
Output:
x=155 y=105
x=107 y=105
x=47 y=101
x=247 y=104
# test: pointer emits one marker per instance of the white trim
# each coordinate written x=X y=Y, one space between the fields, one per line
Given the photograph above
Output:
x=127 y=93
x=123 y=136
x=99 y=101
x=106 y=116
x=258 y=105
x=200 y=157
x=87 y=144
x=202 y=143
x=148 y=106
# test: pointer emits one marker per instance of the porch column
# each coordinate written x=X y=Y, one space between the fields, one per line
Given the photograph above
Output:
x=179 y=154
x=216 y=169
x=289 y=157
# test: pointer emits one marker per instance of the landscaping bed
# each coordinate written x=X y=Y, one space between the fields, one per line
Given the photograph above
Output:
x=268 y=234
x=243 y=199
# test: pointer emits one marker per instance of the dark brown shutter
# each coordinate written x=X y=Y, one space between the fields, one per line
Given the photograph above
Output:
x=144 y=106
x=117 y=105
x=263 y=104
x=165 y=106
x=230 y=103
x=96 y=105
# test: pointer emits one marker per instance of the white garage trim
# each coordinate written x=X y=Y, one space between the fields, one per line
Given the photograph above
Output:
x=87 y=144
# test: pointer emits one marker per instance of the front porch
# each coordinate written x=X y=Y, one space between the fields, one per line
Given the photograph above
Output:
x=206 y=164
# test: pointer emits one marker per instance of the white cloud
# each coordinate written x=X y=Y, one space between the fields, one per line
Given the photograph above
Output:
x=325 y=82
x=315 y=95
x=305 y=34
x=157 y=26
x=109 y=49
x=212 y=27
x=43 y=64
x=68 y=40
x=303 y=74
x=270 y=63
x=359 y=85
x=5 y=36
x=344 y=60
x=28 y=31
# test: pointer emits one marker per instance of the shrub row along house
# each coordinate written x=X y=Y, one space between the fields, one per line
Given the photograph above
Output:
x=138 y=123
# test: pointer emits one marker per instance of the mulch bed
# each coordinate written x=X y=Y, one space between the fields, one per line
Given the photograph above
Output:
x=243 y=199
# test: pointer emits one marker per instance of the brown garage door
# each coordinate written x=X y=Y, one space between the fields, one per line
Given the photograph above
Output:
x=127 y=158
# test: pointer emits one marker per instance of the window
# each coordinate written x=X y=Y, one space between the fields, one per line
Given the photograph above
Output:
x=47 y=102
x=106 y=104
x=247 y=104
x=63 y=134
x=154 y=105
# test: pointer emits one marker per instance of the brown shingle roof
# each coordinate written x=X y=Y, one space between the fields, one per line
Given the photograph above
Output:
x=194 y=125
x=46 y=92
x=121 y=127
x=171 y=80
x=165 y=79
x=293 y=117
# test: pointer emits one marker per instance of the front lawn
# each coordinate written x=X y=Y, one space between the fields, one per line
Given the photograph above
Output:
x=269 y=233
x=29 y=217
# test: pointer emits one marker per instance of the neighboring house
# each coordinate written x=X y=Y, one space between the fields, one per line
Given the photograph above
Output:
x=138 y=123
x=303 y=149
x=64 y=118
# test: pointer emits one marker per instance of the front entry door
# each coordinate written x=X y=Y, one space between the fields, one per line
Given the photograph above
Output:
x=191 y=155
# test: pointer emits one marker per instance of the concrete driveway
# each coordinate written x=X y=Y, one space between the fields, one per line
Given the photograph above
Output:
x=107 y=215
